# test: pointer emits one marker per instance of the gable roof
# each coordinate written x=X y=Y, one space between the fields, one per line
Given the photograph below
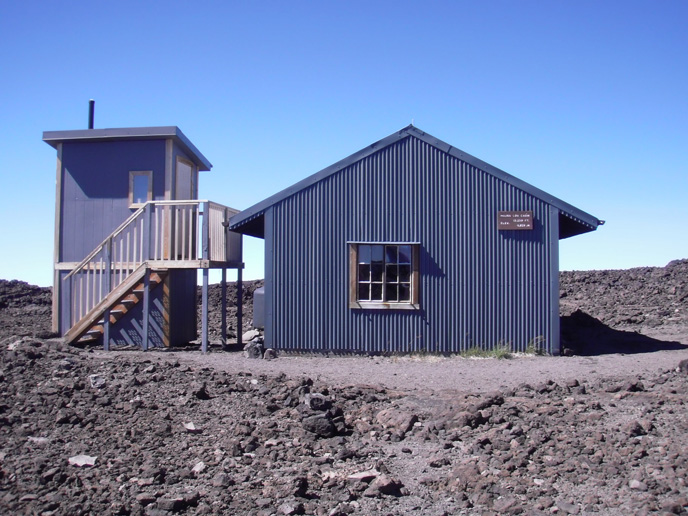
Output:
x=572 y=221
x=52 y=138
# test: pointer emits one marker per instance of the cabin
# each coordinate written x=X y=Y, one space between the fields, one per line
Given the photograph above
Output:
x=130 y=236
x=411 y=245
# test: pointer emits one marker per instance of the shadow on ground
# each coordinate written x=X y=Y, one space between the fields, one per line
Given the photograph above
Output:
x=582 y=334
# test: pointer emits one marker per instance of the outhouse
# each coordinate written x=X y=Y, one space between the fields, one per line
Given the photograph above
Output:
x=130 y=235
x=412 y=245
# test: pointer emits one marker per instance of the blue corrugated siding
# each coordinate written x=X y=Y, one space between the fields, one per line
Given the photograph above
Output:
x=479 y=286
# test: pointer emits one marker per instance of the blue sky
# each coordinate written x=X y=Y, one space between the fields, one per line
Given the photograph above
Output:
x=586 y=100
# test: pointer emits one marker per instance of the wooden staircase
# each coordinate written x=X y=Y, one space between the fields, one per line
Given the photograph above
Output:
x=134 y=259
x=119 y=302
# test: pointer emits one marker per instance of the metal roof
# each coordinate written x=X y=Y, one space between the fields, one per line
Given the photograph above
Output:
x=573 y=220
x=130 y=133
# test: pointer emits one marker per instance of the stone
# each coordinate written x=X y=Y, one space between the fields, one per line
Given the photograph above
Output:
x=253 y=350
x=364 y=476
x=82 y=460
x=199 y=391
x=505 y=505
x=637 y=485
x=290 y=508
x=317 y=401
x=384 y=485
x=320 y=424
x=634 y=429
x=568 y=508
x=269 y=354
x=192 y=428
x=64 y=416
x=171 y=504
x=249 y=335
x=97 y=381
x=395 y=419
x=222 y=480
x=145 y=499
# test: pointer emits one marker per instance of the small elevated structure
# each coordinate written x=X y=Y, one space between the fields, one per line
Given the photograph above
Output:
x=130 y=235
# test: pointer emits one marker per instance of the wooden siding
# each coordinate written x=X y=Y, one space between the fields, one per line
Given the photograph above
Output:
x=95 y=189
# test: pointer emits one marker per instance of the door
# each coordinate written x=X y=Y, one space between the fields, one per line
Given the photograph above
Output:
x=184 y=217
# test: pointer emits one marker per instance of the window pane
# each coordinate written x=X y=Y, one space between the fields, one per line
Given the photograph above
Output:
x=378 y=252
x=140 y=194
x=376 y=271
x=404 y=292
x=404 y=254
x=363 y=254
x=391 y=251
x=385 y=273
x=376 y=292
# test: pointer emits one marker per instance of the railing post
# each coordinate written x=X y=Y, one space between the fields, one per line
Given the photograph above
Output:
x=108 y=288
x=68 y=304
x=147 y=215
x=206 y=220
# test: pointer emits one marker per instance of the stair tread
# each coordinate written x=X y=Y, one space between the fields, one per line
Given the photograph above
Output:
x=118 y=307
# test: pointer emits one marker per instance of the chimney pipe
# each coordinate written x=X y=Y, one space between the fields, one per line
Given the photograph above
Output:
x=91 y=110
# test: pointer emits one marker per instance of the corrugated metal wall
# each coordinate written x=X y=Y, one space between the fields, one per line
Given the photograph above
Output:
x=478 y=287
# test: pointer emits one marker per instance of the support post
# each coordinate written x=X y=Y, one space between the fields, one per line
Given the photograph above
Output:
x=240 y=302
x=146 y=308
x=224 y=306
x=106 y=330
x=108 y=288
x=204 y=316
x=205 y=249
x=555 y=324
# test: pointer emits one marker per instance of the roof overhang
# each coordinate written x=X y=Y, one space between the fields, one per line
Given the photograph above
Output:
x=572 y=221
x=53 y=138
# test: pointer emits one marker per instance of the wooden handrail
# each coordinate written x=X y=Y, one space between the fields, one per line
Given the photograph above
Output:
x=159 y=231
x=100 y=247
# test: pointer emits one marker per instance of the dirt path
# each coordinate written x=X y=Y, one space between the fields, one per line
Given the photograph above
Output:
x=436 y=373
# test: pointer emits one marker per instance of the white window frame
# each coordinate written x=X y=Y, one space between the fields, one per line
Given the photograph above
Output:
x=356 y=303
x=133 y=174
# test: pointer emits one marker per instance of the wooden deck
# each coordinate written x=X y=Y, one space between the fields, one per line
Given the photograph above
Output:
x=160 y=235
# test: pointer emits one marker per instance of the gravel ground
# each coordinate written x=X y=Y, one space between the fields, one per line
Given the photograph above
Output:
x=440 y=373
x=178 y=432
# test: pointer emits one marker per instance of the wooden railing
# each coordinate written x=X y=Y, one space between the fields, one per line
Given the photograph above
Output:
x=164 y=234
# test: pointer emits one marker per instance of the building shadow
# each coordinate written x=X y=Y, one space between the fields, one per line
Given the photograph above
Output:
x=583 y=334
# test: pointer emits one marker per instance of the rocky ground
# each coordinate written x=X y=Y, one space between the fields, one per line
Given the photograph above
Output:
x=88 y=432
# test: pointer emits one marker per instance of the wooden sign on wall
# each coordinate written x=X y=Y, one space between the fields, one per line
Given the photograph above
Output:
x=518 y=220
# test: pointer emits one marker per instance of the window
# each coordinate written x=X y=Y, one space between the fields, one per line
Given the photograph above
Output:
x=384 y=275
x=140 y=187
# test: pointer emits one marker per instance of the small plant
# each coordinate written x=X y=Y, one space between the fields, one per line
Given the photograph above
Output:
x=536 y=346
x=474 y=352
x=501 y=351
